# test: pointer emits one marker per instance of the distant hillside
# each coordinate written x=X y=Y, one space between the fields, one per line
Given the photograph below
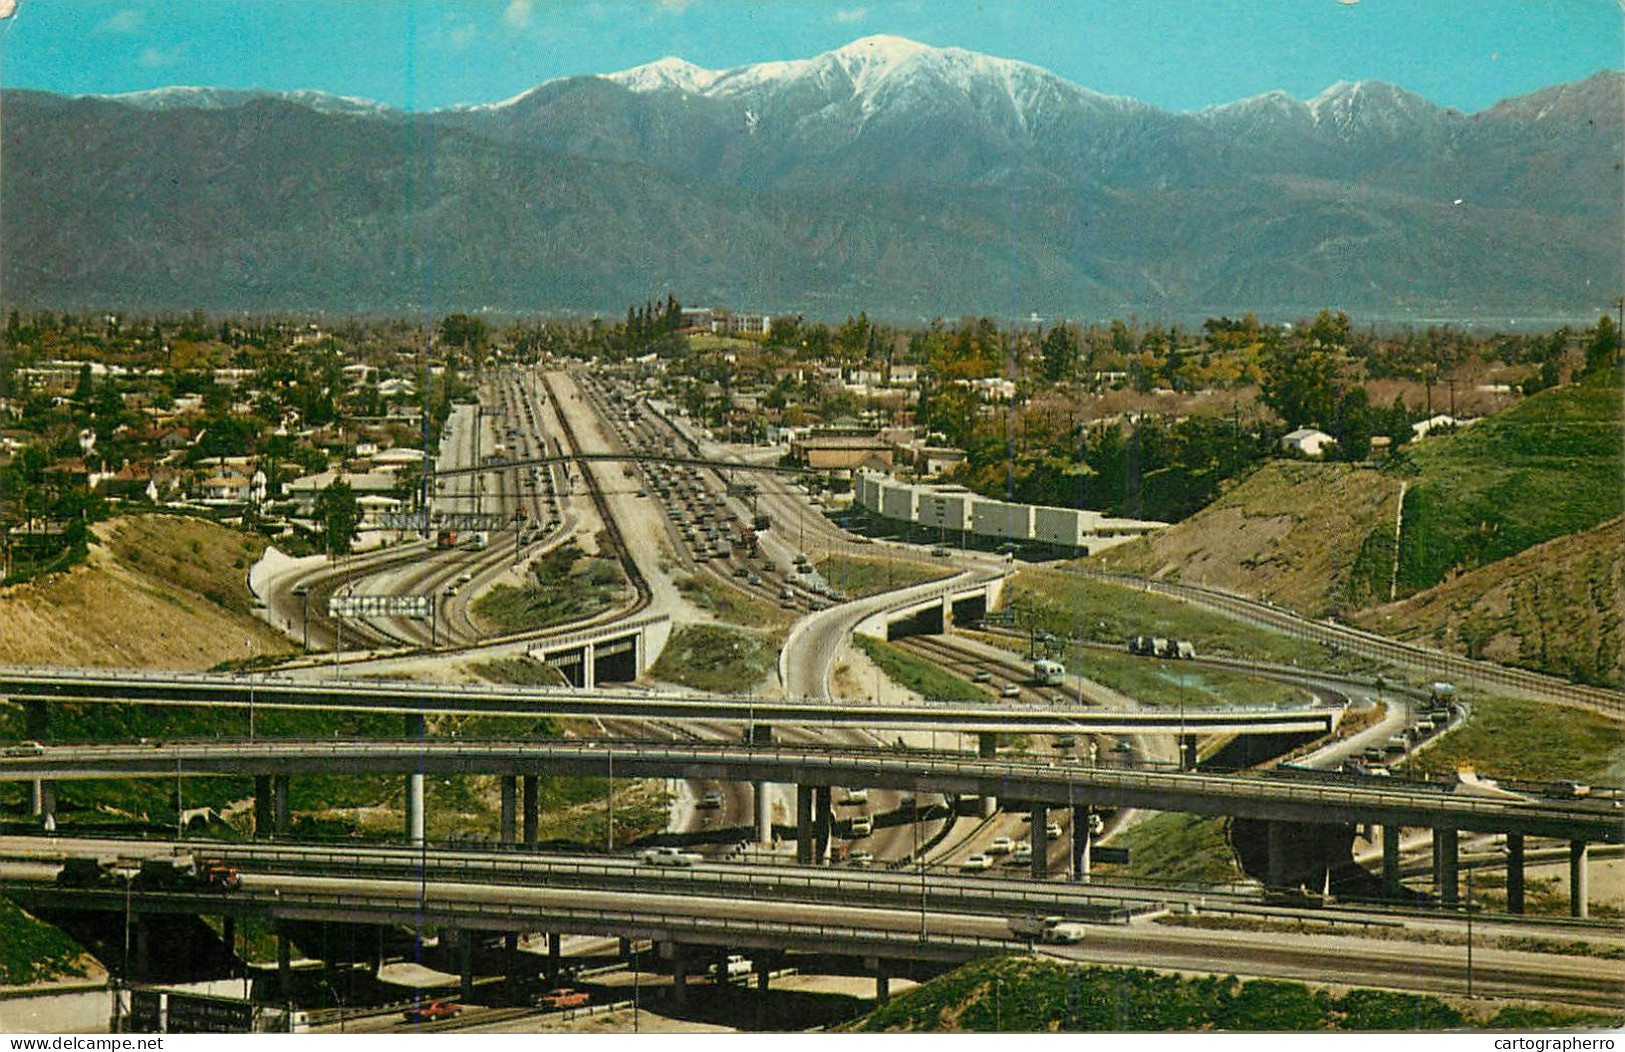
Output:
x=1553 y=608
x=1304 y=535
x=1548 y=466
x=908 y=180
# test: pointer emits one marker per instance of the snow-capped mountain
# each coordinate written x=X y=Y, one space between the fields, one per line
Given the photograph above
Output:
x=885 y=175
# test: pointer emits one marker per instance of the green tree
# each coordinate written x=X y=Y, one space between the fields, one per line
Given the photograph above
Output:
x=1602 y=352
x=338 y=513
x=1059 y=351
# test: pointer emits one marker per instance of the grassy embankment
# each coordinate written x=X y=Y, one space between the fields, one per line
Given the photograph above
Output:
x=1031 y=995
x=717 y=658
x=922 y=677
x=860 y=576
x=1513 y=738
x=564 y=585
x=731 y=605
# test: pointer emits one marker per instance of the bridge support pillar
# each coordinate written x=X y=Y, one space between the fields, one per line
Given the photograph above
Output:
x=589 y=667
x=509 y=785
x=1082 y=841
x=764 y=972
x=625 y=948
x=1040 y=841
x=804 y=824
x=1514 y=872
x=987 y=745
x=555 y=955
x=1446 y=876
x=284 y=964
x=465 y=971
x=414 y=808
x=36 y=797
x=46 y=801
x=882 y=987
x=532 y=814
x=1579 y=883
x=143 y=949
x=228 y=937
x=279 y=805
x=1390 y=862
x=1277 y=861
x=764 y=815
x=679 y=974
x=823 y=822
x=263 y=821
x=1187 y=752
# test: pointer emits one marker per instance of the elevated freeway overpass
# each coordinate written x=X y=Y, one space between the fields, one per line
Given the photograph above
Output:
x=42 y=686
x=1037 y=785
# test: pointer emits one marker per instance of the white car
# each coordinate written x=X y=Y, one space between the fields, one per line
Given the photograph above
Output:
x=857 y=796
x=1052 y=831
x=1023 y=853
x=669 y=856
x=861 y=858
x=1002 y=845
x=976 y=864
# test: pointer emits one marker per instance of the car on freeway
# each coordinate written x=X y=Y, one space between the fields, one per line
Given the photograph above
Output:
x=1052 y=831
x=562 y=997
x=982 y=675
x=976 y=864
x=432 y=1011
x=1065 y=741
x=669 y=856
x=861 y=826
x=449 y=591
x=1023 y=852
x=465 y=577
x=1010 y=690
x=25 y=748
x=1568 y=790
x=712 y=798
x=857 y=796
x=939 y=552
x=860 y=858
x=1002 y=845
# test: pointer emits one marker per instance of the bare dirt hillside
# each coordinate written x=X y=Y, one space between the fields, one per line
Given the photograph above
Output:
x=1305 y=535
x=1555 y=607
x=159 y=591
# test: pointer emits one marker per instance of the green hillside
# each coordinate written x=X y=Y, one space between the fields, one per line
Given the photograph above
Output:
x=1546 y=467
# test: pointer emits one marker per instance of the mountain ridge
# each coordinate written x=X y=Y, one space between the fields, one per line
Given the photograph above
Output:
x=886 y=175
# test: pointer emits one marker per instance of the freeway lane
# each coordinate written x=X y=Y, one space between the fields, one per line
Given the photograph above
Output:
x=1249 y=795
x=216 y=689
x=888 y=933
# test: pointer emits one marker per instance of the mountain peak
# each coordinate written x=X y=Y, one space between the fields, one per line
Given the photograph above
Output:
x=666 y=73
x=1365 y=105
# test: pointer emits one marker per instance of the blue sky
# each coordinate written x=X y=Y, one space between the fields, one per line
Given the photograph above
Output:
x=1177 y=54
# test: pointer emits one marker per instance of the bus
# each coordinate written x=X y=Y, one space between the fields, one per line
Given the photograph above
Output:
x=1049 y=673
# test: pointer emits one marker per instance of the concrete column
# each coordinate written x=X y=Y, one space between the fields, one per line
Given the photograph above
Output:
x=625 y=949
x=1040 y=842
x=532 y=813
x=36 y=797
x=510 y=807
x=1187 y=752
x=47 y=806
x=1579 y=884
x=763 y=972
x=679 y=974
x=228 y=934
x=263 y=820
x=143 y=949
x=555 y=955
x=279 y=805
x=823 y=821
x=465 y=940
x=764 y=815
x=1082 y=841
x=804 y=824
x=589 y=669
x=1447 y=879
x=1514 y=872
x=1277 y=854
x=882 y=987
x=414 y=808
x=1391 y=888
x=284 y=965
x=987 y=744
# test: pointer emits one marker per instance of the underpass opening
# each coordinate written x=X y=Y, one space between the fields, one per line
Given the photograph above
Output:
x=616 y=661
x=927 y=621
x=572 y=665
x=969 y=608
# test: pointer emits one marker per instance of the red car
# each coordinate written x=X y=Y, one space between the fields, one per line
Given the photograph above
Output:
x=563 y=997
x=432 y=1011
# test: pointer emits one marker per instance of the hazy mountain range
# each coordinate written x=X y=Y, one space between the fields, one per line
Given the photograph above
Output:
x=886 y=175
